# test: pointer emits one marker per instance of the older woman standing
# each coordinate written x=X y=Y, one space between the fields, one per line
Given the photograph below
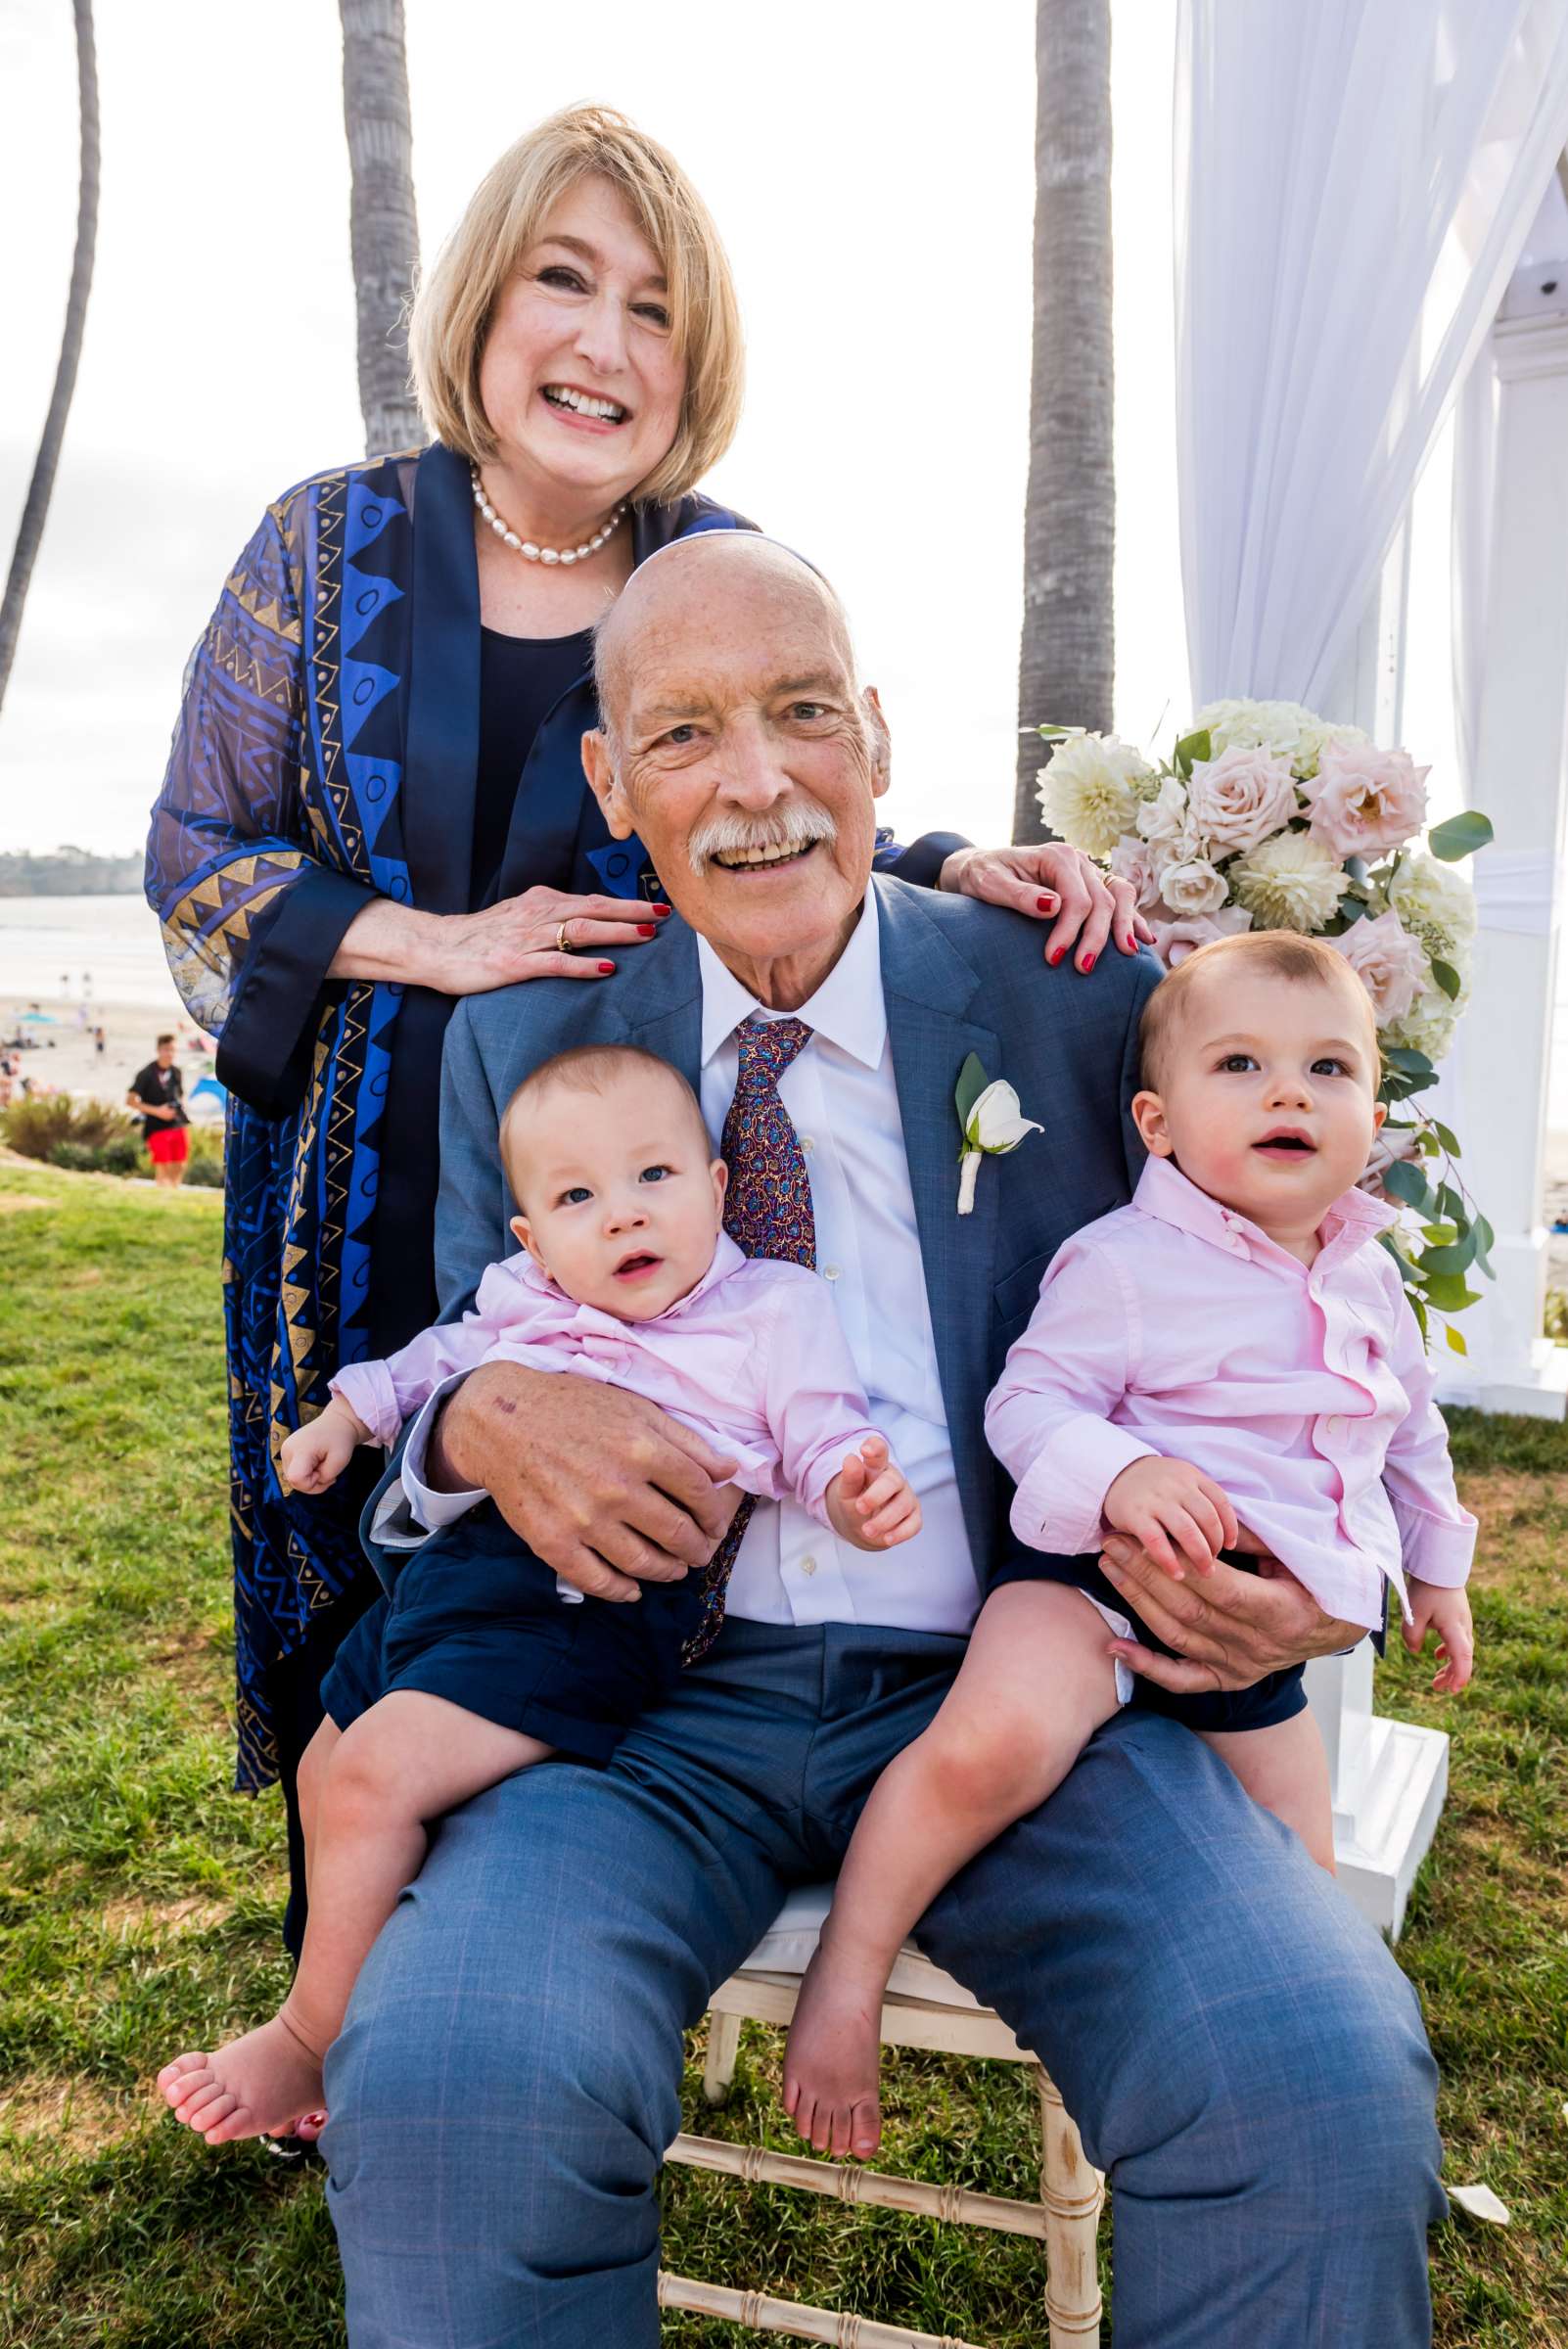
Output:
x=375 y=802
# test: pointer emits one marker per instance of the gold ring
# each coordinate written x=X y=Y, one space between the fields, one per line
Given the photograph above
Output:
x=561 y=944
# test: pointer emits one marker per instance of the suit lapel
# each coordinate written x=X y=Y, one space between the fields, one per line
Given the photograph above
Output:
x=668 y=1015
x=929 y=990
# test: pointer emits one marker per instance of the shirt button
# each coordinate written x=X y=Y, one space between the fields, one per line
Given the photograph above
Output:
x=831 y=1272
x=809 y=1565
x=807 y=1141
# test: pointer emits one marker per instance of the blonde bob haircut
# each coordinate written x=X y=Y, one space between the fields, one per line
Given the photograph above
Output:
x=507 y=211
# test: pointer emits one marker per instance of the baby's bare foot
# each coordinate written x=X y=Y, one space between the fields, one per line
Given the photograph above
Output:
x=257 y=2085
x=832 y=2062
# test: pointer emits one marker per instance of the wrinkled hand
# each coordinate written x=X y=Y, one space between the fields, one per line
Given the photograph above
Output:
x=517 y=939
x=1049 y=879
x=1171 y=1507
x=871 y=1503
x=604 y=1487
x=1227 y=1632
x=1447 y=1612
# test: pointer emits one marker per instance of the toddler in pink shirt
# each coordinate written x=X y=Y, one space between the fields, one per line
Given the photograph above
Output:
x=1230 y=1356
x=626 y=1276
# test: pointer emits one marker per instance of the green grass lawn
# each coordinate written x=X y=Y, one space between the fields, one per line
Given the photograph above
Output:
x=139 y=1898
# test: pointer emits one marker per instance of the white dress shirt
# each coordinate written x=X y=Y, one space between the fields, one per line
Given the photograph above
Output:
x=842 y=1100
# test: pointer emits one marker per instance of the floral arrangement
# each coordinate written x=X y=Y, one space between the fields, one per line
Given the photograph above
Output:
x=1269 y=817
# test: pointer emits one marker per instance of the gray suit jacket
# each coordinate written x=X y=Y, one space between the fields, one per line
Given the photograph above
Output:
x=958 y=977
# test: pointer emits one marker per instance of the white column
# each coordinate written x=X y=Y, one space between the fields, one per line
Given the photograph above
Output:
x=1387 y=1778
x=1522 y=740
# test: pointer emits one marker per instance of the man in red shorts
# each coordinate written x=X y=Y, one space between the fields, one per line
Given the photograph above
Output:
x=158 y=1091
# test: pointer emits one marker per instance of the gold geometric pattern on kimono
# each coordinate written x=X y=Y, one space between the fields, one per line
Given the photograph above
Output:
x=332 y=513
x=263 y=608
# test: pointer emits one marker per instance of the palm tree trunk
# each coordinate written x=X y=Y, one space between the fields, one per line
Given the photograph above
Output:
x=384 y=226
x=1066 y=659
x=30 y=529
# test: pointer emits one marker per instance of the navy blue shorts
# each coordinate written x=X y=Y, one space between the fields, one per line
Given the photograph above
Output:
x=1277 y=1697
x=474 y=1617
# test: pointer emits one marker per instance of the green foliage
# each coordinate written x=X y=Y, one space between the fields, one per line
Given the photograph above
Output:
x=1460 y=836
x=36 y=1129
x=1193 y=749
x=139 y=1896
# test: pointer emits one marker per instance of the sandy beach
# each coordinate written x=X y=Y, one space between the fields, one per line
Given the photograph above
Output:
x=64 y=1056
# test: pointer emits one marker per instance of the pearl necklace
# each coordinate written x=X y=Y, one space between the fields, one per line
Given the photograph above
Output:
x=526 y=546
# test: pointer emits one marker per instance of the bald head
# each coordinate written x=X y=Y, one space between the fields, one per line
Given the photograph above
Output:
x=671 y=588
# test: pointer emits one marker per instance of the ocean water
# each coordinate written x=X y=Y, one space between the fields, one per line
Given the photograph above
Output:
x=110 y=951
x=104 y=949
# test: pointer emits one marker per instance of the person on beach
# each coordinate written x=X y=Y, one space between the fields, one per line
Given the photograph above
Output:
x=627 y=1275
x=158 y=1092
x=375 y=809
x=1258 y=1373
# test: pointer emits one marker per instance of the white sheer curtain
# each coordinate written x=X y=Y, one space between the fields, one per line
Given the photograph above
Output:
x=1355 y=181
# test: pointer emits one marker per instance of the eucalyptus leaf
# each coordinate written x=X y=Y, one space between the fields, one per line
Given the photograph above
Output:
x=1419 y=1311
x=1446 y=977
x=1460 y=836
x=1351 y=910
x=1450 y=1204
x=1456 y=1339
x=1457 y=1258
x=1408 y=1063
x=1446 y=1136
x=1403 y=1180
x=972 y=1083
x=1193 y=749
x=1447 y=1292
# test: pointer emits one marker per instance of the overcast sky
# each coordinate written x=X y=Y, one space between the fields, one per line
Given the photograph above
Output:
x=875 y=190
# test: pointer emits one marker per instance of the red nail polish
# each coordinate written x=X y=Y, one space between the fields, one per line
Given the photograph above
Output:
x=1054 y=958
x=661 y=909
x=607 y=968
x=1047 y=905
x=1089 y=964
x=647 y=928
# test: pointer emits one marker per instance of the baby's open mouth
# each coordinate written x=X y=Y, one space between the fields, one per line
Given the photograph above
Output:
x=1287 y=1145
x=639 y=1266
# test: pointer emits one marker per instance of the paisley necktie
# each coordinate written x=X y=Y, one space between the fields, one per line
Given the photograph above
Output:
x=768 y=1211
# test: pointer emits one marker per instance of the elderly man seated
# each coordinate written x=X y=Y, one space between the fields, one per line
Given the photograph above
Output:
x=1240 y=2050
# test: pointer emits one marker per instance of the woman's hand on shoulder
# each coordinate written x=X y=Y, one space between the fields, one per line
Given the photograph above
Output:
x=1052 y=882
x=543 y=934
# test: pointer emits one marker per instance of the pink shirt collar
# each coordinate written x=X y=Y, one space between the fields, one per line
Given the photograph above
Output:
x=1166 y=1194
x=727 y=1256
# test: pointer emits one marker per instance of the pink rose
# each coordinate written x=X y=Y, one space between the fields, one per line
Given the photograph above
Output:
x=1390 y=964
x=1133 y=860
x=1176 y=939
x=1365 y=800
x=1239 y=797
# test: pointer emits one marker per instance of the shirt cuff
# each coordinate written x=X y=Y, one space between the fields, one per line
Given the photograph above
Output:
x=368 y=1391
x=1060 y=1503
x=429 y=1508
x=1436 y=1550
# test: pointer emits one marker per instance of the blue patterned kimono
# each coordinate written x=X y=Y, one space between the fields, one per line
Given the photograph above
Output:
x=326 y=753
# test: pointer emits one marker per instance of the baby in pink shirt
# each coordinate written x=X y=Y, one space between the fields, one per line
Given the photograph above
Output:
x=627 y=1275
x=1230 y=1356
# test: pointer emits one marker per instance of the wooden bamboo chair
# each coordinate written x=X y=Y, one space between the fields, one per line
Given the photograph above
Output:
x=924 y=2007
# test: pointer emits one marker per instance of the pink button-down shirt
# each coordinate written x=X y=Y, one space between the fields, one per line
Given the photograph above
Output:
x=753 y=1358
x=1176 y=1327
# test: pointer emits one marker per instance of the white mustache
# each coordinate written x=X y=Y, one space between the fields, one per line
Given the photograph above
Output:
x=796 y=824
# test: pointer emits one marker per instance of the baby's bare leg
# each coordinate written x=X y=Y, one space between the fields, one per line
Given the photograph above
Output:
x=402 y=1763
x=1286 y=1770
x=1035 y=1686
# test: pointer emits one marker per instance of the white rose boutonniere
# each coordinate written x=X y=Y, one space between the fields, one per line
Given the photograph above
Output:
x=991 y=1123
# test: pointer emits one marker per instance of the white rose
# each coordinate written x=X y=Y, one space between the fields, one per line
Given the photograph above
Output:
x=995 y=1123
x=1289 y=883
x=1192 y=886
x=1088 y=794
x=1240 y=796
x=1390 y=964
x=1165 y=818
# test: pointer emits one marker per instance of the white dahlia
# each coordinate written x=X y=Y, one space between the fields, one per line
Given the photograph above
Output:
x=1288 y=883
x=1435 y=906
x=1088 y=794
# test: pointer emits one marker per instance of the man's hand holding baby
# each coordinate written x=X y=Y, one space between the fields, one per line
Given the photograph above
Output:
x=871 y=1503
x=315 y=1456
x=1175 y=1512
